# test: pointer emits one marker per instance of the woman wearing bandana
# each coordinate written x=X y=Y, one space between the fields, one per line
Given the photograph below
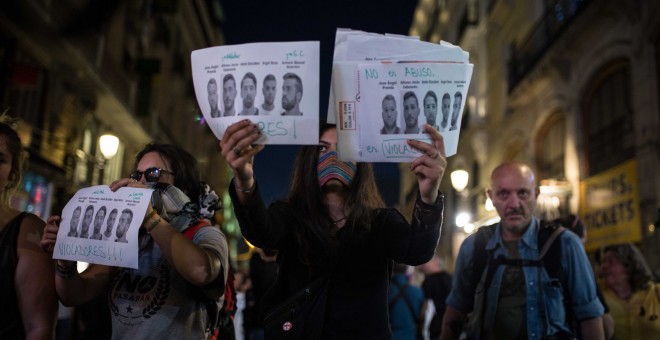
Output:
x=167 y=297
x=334 y=223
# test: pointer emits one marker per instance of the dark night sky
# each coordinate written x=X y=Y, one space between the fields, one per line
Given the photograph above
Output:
x=248 y=21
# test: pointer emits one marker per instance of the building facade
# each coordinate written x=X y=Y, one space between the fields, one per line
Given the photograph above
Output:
x=74 y=70
x=570 y=87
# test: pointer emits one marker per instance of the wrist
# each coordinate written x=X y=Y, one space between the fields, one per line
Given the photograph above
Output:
x=245 y=186
x=66 y=270
x=153 y=223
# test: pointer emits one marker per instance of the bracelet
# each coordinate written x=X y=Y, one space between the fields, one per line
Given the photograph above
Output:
x=247 y=191
x=153 y=225
x=150 y=215
x=65 y=272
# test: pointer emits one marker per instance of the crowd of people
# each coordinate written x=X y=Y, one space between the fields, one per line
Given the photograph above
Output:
x=365 y=270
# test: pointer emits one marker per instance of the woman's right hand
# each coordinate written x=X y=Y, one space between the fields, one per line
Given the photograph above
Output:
x=50 y=234
x=238 y=149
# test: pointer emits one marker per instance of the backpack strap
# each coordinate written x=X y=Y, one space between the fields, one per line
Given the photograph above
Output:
x=402 y=294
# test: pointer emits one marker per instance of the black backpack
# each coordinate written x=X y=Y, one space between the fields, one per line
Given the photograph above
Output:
x=548 y=249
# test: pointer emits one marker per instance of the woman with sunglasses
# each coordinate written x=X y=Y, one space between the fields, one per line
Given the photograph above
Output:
x=334 y=224
x=167 y=296
x=28 y=302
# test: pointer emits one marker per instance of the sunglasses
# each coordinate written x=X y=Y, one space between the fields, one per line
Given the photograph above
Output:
x=151 y=174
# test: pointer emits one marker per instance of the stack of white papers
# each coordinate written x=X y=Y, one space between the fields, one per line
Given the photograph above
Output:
x=386 y=87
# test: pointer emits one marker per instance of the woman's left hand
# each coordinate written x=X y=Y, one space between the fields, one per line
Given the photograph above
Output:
x=126 y=182
x=430 y=166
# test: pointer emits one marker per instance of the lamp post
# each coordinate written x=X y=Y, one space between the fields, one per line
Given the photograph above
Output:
x=109 y=145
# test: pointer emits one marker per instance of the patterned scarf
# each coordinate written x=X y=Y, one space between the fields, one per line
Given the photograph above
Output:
x=175 y=206
x=330 y=167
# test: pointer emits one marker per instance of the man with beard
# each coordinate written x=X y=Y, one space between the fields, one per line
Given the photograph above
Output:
x=87 y=220
x=446 y=106
x=212 y=89
x=248 y=92
x=269 y=89
x=519 y=296
x=107 y=234
x=75 y=219
x=122 y=226
x=98 y=224
x=292 y=92
x=458 y=97
x=411 y=112
x=431 y=109
x=229 y=94
x=389 y=116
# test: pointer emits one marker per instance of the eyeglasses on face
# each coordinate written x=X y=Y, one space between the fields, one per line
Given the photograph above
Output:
x=151 y=174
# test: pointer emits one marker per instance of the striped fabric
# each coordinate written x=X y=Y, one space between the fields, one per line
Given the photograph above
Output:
x=330 y=167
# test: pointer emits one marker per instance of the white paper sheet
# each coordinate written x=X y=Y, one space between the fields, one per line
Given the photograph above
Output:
x=369 y=67
x=282 y=60
x=83 y=214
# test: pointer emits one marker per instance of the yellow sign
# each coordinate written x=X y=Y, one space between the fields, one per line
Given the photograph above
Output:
x=609 y=206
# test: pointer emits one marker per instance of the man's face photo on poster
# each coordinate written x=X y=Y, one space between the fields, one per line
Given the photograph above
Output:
x=122 y=226
x=98 y=223
x=87 y=221
x=73 y=225
x=229 y=94
x=411 y=112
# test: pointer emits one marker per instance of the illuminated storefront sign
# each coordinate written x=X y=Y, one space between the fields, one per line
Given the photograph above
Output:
x=609 y=206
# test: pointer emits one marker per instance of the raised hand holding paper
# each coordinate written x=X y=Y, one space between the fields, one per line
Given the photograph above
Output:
x=385 y=88
x=101 y=226
x=276 y=85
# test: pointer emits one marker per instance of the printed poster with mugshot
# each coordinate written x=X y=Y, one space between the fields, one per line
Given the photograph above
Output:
x=274 y=85
x=386 y=87
x=101 y=226
x=390 y=102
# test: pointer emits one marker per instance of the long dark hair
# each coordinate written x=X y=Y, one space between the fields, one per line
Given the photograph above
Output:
x=184 y=166
x=15 y=149
x=305 y=193
x=186 y=176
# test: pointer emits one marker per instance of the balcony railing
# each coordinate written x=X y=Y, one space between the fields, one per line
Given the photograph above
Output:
x=557 y=17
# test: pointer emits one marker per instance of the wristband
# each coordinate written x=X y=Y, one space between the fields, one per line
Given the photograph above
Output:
x=153 y=225
x=65 y=272
x=150 y=215
x=247 y=191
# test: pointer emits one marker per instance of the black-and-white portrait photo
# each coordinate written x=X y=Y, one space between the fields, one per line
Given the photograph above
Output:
x=212 y=88
x=229 y=94
x=123 y=225
x=411 y=113
x=75 y=219
x=87 y=221
x=390 y=116
x=292 y=92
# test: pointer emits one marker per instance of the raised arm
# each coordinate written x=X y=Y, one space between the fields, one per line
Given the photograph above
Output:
x=238 y=149
x=430 y=166
x=72 y=288
x=37 y=300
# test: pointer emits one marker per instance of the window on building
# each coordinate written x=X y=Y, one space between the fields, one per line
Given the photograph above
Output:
x=608 y=117
x=550 y=146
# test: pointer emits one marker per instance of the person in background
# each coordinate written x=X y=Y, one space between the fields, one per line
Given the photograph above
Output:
x=334 y=224
x=573 y=223
x=263 y=272
x=178 y=275
x=28 y=301
x=503 y=299
x=405 y=305
x=436 y=287
x=630 y=291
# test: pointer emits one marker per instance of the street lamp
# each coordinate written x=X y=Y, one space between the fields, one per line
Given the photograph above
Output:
x=109 y=144
x=459 y=179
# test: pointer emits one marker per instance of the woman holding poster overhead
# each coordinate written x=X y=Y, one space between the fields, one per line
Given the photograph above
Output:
x=27 y=296
x=334 y=234
x=179 y=275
